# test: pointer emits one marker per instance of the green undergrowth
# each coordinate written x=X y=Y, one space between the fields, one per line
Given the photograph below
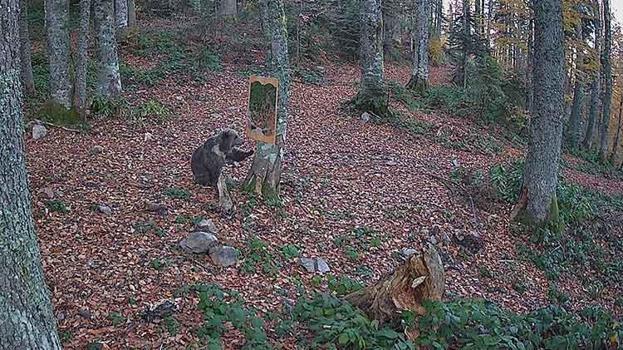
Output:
x=176 y=55
x=324 y=321
x=587 y=248
x=592 y=164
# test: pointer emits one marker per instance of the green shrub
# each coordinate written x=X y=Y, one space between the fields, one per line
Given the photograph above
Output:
x=55 y=113
x=290 y=251
x=108 y=108
x=150 y=109
x=207 y=59
x=343 y=285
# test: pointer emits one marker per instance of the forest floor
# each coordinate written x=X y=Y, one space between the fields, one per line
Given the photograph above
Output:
x=341 y=175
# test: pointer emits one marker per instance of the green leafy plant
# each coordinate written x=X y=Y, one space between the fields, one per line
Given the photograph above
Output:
x=343 y=285
x=258 y=254
x=116 y=318
x=290 y=251
x=177 y=193
x=220 y=308
x=57 y=206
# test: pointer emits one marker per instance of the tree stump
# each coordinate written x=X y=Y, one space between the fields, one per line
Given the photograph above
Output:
x=420 y=278
x=225 y=204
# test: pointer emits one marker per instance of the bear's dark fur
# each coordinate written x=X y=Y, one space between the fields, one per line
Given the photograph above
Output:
x=209 y=159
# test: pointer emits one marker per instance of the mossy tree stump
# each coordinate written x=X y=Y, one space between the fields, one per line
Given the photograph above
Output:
x=420 y=278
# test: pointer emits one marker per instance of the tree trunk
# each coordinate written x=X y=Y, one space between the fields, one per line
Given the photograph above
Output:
x=131 y=13
x=391 y=24
x=538 y=195
x=419 y=73
x=371 y=96
x=80 y=93
x=607 y=74
x=420 y=278
x=57 y=28
x=108 y=79
x=228 y=8
x=25 y=50
x=617 y=138
x=265 y=173
x=575 y=118
x=121 y=13
x=26 y=317
x=530 y=70
x=594 y=110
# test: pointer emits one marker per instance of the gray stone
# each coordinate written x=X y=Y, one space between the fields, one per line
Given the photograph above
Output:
x=432 y=239
x=322 y=266
x=206 y=225
x=224 y=255
x=308 y=263
x=198 y=242
x=96 y=150
x=365 y=117
x=39 y=131
x=104 y=209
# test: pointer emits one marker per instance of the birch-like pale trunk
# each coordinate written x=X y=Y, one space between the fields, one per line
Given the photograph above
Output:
x=265 y=173
x=617 y=137
x=607 y=75
x=108 y=79
x=26 y=317
x=57 y=29
x=538 y=197
x=419 y=73
x=82 y=59
x=25 y=47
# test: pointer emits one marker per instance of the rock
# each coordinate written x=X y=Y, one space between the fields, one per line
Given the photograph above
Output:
x=391 y=163
x=312 y=265
x=85 y=313
x=224 y=255
x=198 y=242
x=455 y=163
x=322 y=266
x=206 y=225
x=96 y=150
x=365 y=117
x=406 y=253
x=309 y=264
x=472 y=241
x=432 y=240
x=104 y=209
x=159 y=311
x=157 y=208
x=48 y=192
x=39 y=131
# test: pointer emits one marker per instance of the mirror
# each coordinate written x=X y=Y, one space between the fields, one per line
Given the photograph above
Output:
x=262 y=114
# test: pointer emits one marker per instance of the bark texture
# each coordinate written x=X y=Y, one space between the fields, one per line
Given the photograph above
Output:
x=607 y=75
x=419 y=74
x=265 y=173
x=617 y=137
x=541 y=169
x=25 y=50
x=576 y=115
x=108 y=79
x=391 y=30
x=121 y=13
x=371 y=96
x=26 y=317
x=131 y=13
x=228 y=8
x=420 y=278
x=57 y=28
x=80 y=93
